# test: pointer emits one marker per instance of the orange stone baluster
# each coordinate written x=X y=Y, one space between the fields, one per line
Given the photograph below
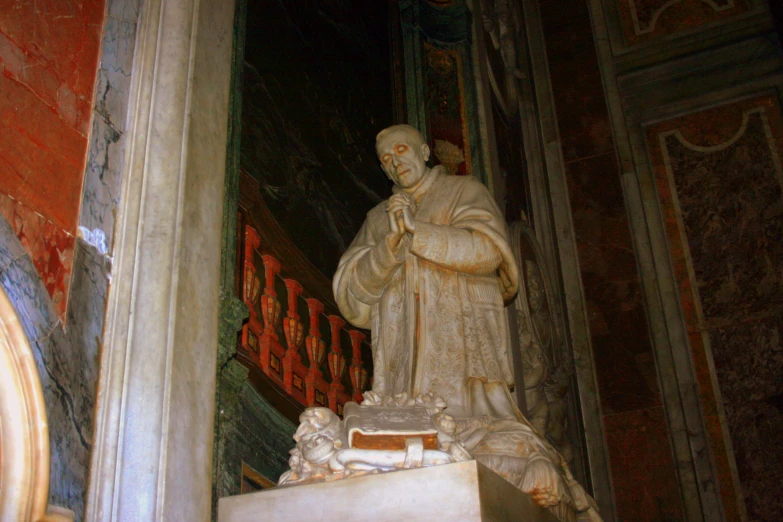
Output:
x=358 y=373
x=270 y=311
x=294 y=333
x=251 y=288
x=252 y=282
x=336 y=362
x=316 y=349
x=270 y=305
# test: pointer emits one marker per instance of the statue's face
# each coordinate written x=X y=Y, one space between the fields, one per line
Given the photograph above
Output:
x=403 y=158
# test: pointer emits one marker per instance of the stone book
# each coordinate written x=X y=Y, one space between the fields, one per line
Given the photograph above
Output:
x=388 y=427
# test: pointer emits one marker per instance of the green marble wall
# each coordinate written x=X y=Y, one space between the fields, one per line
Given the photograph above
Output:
x=248 y=429
x=316 y=91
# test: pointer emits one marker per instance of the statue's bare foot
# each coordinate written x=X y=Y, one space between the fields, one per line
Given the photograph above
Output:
x=542 y=482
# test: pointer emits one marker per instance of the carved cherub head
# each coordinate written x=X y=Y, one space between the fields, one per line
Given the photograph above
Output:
x=318 y=421
x=445 y=423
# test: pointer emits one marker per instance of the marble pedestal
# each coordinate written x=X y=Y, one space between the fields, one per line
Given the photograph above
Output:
x=464 y=492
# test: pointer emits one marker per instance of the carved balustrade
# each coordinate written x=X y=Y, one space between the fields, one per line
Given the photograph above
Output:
x=337 y=395
x=358 y=373
x=310 y=367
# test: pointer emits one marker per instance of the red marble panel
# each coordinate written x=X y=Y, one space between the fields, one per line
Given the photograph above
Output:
x=735 y=212
x=623 y=354
x=643 y=474
x=707 y=128
x=645 y=483
x=42 y=159
x=582 y=115
x=50 y=248
x=60 y=42
x=48 y=63
x=645 y=20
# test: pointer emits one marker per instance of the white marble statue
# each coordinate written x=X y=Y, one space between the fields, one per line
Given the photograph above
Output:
x=428 y=274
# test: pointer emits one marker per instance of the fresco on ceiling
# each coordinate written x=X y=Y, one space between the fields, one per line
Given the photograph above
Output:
x=316 y=91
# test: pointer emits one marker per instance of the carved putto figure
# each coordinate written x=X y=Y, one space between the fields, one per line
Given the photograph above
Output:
x=428 y=274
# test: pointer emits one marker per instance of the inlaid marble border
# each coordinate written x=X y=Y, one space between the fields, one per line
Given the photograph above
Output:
x=555 y=230
x=636 y=44
x=698 y=334
x=638 y=30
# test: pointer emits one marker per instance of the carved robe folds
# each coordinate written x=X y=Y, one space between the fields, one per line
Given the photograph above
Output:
x=435 y=307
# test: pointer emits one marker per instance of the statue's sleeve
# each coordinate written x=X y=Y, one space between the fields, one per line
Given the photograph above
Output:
x=363 y=272
x=457 y=249
x=474 y=239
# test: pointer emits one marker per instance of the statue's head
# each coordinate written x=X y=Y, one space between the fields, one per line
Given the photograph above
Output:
x=403 y=154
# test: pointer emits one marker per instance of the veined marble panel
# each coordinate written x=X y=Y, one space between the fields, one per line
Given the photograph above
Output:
x=69 y=399
x=749 y=364
x=100 y=200
x=644 y=20
x=101 y=189
x=315 y=92
x=719 y=180
x=30 y=299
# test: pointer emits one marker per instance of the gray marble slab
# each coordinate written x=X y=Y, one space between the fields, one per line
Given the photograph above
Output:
x=69 y=402
x=29 y=296
x=73 y=373
x=10 y=247
x=102 y=179
x=465 y=492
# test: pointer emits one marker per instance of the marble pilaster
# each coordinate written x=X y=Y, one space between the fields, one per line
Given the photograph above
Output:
x=558 y=238
x=655 y=81
x=153 y=450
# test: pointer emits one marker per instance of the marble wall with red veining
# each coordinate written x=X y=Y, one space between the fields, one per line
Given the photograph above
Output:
x=640 y=454
x=645 y=20
x=50 y=247
x=48 y=63
x=720 y=184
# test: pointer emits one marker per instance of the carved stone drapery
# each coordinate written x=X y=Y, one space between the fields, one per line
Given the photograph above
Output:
x=501 y=20
x=547 y=365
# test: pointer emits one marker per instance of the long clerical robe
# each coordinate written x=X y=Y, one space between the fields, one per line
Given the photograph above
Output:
x=436 y=306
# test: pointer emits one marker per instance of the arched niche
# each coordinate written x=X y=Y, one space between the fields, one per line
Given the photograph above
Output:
x=24 y=430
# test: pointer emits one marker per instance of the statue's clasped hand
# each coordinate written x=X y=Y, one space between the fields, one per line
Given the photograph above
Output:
x=400 y=218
